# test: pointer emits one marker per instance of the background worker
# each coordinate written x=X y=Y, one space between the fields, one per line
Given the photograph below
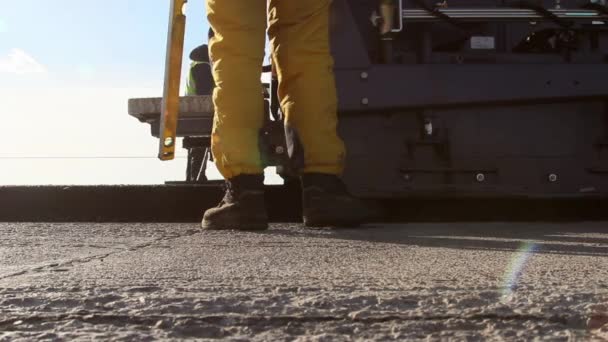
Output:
x=200 y=77
x=299 y=37
x=200 y=82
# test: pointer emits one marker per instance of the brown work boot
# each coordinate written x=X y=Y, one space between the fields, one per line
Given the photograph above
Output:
x=242 y=207
x=327 y=202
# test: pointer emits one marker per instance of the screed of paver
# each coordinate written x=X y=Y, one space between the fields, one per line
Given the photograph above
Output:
x=403 y=281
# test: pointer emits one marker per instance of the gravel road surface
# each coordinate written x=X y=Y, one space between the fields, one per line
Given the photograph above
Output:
x=463 y=281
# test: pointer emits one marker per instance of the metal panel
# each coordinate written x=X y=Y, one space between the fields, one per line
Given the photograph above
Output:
x=403 y=86
x=515 y=150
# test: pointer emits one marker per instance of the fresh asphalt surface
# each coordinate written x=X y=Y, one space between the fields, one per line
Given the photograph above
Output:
x=466 y=281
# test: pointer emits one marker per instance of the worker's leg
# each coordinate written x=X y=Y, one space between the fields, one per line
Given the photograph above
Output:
x=299 y=35
x=237 y=52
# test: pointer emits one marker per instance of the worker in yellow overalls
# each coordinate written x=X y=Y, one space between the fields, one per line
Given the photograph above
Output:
x=299 y=37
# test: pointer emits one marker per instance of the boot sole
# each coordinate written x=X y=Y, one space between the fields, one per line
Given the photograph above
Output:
x=234 y=226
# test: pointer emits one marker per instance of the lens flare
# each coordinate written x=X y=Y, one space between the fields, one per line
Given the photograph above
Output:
x=517 y=267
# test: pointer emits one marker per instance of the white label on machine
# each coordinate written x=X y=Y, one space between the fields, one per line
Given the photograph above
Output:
x=482 y=43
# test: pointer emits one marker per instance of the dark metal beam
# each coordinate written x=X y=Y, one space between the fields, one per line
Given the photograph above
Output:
x=433 y=85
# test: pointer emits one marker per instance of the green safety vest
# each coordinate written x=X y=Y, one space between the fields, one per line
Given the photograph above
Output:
x=191 y=82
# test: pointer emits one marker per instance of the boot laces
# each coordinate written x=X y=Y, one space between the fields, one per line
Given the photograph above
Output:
x=235 y=188
x=230 y=191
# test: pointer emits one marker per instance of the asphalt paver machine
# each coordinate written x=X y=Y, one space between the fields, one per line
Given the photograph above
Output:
x=466 y=98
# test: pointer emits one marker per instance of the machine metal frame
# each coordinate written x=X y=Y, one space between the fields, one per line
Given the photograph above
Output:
x=474 y=118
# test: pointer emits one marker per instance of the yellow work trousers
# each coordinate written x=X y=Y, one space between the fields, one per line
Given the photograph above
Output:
x=299 y=37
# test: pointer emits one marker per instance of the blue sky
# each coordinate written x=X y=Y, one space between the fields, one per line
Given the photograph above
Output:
x=101 y=41
x=67 y=69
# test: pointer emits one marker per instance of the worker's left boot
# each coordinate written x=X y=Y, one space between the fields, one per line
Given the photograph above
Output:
x=327 y=202
x=242 y=207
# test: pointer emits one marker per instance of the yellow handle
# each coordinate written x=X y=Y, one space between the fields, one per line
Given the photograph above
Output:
x=173 y=68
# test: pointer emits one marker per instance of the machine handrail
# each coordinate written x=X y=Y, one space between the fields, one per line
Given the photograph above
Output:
x=507 y=14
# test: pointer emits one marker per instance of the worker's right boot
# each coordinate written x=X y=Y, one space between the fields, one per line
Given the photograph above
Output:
x=327 y=203
x=242 y=207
